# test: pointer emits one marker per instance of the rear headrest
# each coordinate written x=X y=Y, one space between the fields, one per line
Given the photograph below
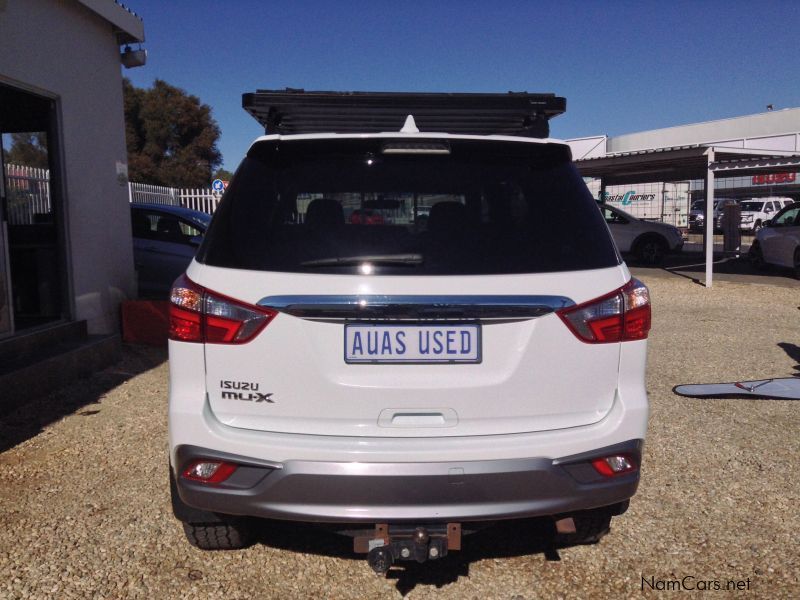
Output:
x=447 y=217
x=324 y=212
x=140 y=224
x=168 y=225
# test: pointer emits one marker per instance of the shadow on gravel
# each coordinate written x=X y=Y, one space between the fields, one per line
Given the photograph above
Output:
x=28 y=420
x=523 y=537
x=692 y=266
x=793 y=352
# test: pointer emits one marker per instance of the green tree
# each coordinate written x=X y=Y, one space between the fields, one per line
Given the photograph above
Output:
x=222 y=174
x=171 y=136
x=28 y=149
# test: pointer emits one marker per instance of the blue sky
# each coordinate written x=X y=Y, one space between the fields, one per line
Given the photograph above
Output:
x=623 y=66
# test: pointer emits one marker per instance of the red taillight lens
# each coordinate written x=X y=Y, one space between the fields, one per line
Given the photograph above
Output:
x=209 y=471
x=199 y=315
x=618 y=464
x=623 y=315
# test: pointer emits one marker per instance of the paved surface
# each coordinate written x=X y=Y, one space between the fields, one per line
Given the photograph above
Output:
x=84 y=506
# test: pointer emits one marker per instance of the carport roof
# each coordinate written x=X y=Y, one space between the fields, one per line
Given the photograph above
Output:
x=679 y=163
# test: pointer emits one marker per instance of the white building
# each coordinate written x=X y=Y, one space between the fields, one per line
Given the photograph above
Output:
x=60 y=74
x=66 y=260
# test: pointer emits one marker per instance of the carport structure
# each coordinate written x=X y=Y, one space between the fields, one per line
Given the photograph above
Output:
x=681 y=163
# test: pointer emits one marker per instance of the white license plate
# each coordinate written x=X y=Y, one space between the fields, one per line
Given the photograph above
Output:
x=412 y=343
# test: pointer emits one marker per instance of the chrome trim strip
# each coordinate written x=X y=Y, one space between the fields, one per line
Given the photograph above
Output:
x=415 y=308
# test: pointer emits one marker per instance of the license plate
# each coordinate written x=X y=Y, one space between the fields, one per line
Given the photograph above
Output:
x=412 y=343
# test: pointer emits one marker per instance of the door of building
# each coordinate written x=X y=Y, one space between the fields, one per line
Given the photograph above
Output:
x=33 y=269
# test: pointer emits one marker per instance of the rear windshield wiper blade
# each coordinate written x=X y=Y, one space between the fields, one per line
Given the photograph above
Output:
x=374 y=259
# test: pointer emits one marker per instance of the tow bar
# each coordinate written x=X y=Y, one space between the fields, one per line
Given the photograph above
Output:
x=388 y=544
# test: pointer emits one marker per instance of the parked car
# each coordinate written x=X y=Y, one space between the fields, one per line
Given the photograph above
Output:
x=778 y=243
x=165 y=238
x=394 y=379
x=757 y=211
x=698 y=211
x=648 y=241
x=366 y=216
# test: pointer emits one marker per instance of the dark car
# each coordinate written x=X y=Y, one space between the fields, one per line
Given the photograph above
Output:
x=165 y=239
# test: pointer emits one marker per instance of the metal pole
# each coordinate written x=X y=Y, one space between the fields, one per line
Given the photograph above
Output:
x=709 y=220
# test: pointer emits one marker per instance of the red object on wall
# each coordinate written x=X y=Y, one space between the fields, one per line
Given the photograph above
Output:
x=145 y=322
x=774 y=178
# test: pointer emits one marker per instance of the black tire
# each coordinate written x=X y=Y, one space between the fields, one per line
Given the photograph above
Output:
x=590 y=527
x=756 y=256
x=218 y=536
x=651 y=250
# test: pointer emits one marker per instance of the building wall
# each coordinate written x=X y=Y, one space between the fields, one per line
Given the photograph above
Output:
x=62 y=49
x=774 y=130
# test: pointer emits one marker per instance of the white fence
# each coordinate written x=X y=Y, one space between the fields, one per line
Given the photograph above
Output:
x=202 y=199
x=28 y=194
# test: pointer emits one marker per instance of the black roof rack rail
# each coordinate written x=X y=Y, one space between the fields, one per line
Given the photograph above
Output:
x=294 y=111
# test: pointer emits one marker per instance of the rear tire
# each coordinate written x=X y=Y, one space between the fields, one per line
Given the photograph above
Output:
x=218 y=536
x=651 y=250
x=756 y=257
x=590 y=527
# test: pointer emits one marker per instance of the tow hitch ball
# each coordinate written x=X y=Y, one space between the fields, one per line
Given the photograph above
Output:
x=388 y=545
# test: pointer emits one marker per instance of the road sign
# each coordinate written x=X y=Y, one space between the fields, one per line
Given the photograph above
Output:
x=218 y=185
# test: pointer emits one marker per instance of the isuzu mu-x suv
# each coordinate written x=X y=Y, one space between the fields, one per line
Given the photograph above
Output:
x=477 y=353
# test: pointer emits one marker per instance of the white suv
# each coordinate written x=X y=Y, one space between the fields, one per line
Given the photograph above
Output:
x=757 y=211
x=405 y=381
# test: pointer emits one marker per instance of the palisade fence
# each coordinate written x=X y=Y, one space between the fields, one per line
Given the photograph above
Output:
x=28 y=195
x=202 y=199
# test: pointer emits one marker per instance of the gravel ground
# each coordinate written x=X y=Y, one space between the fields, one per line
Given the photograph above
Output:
x=84 y=506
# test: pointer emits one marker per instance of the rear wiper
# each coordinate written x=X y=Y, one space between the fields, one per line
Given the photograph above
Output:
x=374 y=259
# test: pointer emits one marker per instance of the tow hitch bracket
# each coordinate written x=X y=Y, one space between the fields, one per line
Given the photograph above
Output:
x=389 y=544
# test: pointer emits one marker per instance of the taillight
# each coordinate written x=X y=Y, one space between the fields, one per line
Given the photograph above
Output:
x=209 y=471
x=618 y=464
x=200 y=315
x=623 y=315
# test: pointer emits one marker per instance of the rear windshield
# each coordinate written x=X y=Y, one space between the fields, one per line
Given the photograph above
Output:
x=753 y=206
x=456 y=207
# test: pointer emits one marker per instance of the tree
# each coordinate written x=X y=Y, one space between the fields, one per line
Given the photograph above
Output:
x=222 y=174
x=171 y=136
x=28 y=149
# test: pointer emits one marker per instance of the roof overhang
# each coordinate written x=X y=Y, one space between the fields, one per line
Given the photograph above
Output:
x=127 y=25
x=682 y=163
x=298 y=112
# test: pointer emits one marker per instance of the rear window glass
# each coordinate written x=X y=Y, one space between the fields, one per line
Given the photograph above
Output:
x=460 y=207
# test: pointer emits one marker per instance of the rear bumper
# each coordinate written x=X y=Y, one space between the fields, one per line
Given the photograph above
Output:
x=356 y=492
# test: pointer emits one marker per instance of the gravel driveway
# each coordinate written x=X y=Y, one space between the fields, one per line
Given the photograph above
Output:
x=84 y=503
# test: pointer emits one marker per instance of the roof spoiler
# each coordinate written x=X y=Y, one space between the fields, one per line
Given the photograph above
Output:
x=293 y=111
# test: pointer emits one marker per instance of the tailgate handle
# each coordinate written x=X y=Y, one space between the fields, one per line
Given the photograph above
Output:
x=410 y=417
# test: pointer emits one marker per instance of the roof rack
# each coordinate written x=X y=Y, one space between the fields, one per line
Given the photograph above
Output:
x=293 y=111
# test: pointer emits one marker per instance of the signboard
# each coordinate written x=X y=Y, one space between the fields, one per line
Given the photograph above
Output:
x=218 y=186
x=773 y=178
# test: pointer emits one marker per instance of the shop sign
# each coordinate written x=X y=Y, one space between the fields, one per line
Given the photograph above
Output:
x=628 y=197
x=772 y=178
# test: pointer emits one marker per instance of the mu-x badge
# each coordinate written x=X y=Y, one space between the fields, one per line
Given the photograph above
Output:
x=243 y=390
